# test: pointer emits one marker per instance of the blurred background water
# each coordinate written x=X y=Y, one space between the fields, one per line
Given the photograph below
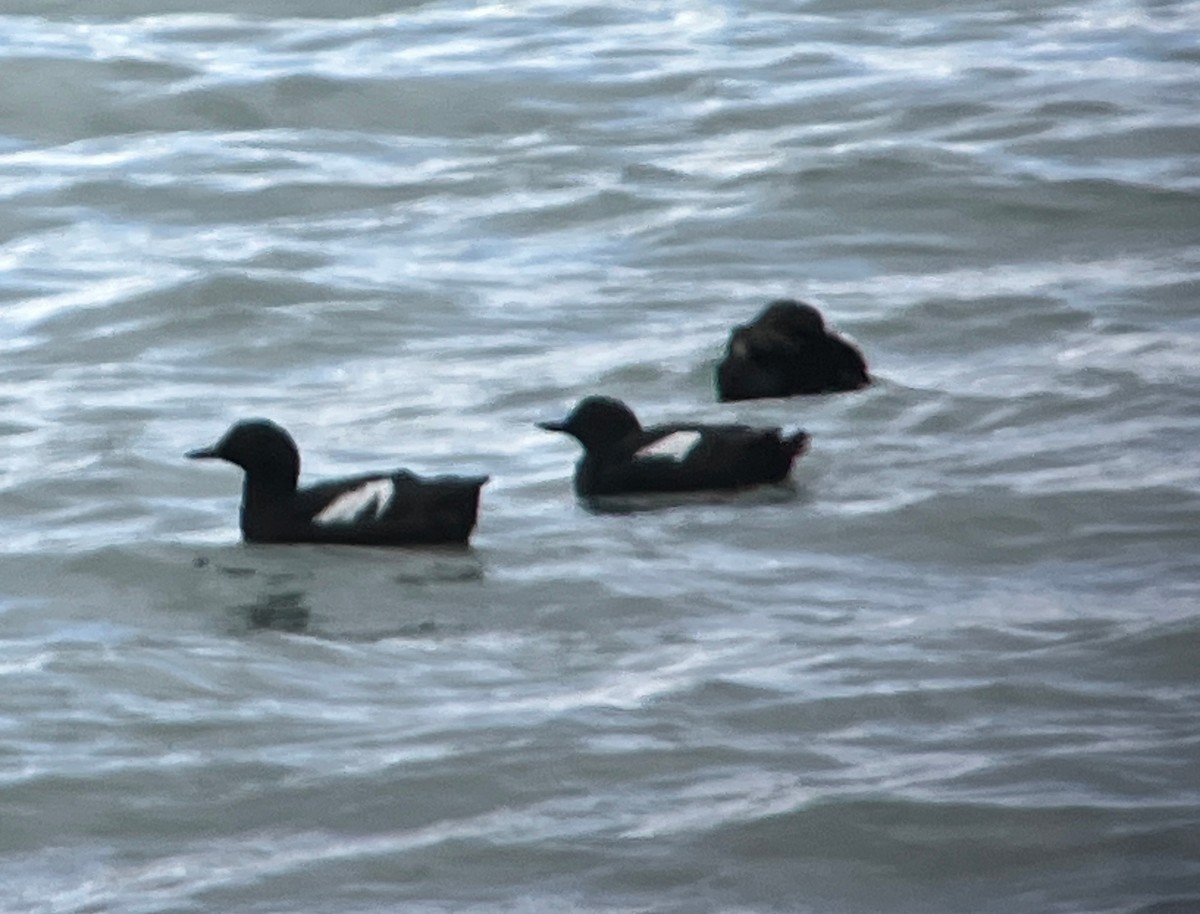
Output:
x=954 y=670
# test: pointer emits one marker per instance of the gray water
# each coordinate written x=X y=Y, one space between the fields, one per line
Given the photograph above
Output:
x=952 y=669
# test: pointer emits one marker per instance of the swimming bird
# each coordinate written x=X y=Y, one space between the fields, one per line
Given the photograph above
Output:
x=378 y=509
x=621 y=457
x=787 y=350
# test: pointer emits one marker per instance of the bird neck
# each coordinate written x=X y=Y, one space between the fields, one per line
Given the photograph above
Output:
x=259 y=487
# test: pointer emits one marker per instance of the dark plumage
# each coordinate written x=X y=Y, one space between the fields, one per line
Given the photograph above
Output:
x=787 y=350
x=620 y=457
x=378 y=509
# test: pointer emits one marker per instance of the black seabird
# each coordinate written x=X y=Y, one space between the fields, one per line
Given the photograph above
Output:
x=620 y=457
x=378 y=509
x=787 y=350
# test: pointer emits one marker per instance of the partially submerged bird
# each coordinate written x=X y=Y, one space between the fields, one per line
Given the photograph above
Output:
x=787 y=350
x=377 y=509
x=621 y=457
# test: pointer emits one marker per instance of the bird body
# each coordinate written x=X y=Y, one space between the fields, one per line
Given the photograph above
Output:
x=377 y=509
x=787 y=350
x=621 y=457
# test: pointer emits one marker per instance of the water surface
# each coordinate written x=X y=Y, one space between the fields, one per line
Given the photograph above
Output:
x=952 y=669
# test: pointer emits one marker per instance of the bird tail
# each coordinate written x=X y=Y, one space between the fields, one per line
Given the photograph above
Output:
x=797 y=443
x=461 y=504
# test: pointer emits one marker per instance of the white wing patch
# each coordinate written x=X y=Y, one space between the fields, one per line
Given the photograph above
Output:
x=676 y=446
x=374 y=494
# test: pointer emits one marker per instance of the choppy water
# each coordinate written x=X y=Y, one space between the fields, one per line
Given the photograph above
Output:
x=955 y=670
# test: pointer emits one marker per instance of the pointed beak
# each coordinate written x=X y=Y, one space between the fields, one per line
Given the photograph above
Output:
x=554 y=426
x=204 y=453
